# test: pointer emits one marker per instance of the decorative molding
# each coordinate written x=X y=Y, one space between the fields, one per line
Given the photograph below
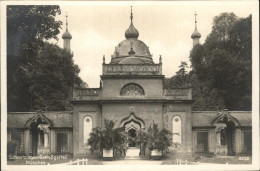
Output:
x=36 y=117
x=143 y=69
x=132 y=118
x=225 y=114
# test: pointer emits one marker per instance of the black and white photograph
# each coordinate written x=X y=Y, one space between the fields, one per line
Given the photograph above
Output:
x=116 y=85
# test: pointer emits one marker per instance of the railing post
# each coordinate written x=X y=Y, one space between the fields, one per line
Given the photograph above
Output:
x=186 y=162
x=70 y=162
x=176 y=161
x=180 y=161
x=77 y=161
x=86 y=161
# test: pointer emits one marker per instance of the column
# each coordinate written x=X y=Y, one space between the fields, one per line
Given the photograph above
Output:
x=26 y=141
x=39 y=140
x=46 y=140
x=218 y=138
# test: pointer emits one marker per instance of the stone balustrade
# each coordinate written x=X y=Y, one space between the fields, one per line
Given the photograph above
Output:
x=82 y=94
x=138 y=69
x=181 y=93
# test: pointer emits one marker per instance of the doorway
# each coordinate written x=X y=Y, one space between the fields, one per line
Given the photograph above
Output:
x=228 y=136
x=132 y=137
x=38 y=139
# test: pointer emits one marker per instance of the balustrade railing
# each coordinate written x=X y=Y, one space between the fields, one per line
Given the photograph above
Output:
x=87 y=92
x=139 y=69
x=177 y=92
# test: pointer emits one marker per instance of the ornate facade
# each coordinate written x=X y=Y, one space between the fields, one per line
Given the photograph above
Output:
x=132 y=93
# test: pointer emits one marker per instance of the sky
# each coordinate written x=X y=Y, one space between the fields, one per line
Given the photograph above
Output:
x=165 y=27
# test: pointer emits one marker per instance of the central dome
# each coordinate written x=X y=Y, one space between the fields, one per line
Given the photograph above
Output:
x=131 y=50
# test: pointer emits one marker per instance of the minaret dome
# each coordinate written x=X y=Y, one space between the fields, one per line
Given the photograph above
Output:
x=195 y=35
x=66 y=37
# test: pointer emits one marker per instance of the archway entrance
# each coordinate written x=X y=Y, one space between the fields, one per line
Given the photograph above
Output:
x=227 y=136
x=39 y=134
x=225 y=129
x=39 y=137
x=132 y=127
x=132 y=137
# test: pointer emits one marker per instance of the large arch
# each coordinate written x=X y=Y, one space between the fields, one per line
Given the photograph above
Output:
x=133 y=119
x=132 y=125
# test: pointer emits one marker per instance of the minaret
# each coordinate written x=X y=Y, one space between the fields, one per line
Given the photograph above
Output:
x=196 y=35
x=66 y=37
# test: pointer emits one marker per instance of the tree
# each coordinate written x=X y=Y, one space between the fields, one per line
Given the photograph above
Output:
x=223 y=62
x=27 y=28
x=52 y=78
x=180 y=79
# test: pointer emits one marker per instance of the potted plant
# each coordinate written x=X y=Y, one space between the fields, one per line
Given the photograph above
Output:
x=108 y=140
x=158 y=141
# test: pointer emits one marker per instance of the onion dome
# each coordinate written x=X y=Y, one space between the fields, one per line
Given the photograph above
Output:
x=132 y=48
x=66 y=35
x=131 y=32
x=195 y=34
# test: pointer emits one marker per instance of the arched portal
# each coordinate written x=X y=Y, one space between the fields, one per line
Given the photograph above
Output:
x=225 y=128
x=39 y=134
x=132 y=127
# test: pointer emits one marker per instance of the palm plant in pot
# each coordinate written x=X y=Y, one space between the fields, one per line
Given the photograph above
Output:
x=158 y=140
x=108 y=140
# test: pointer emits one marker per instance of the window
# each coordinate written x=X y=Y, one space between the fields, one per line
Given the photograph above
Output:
x=176 y=129
x=62 y=142
x=247 y=142
x=202 y=141
x=87 y=126
x=132 y=89
x=17 y=135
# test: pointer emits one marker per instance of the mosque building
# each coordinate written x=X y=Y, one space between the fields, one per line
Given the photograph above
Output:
x=131 y=93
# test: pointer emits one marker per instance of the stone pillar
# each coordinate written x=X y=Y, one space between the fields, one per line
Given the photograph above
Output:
x=39 y=140
x=26 y=141
x=212 y=140
x=46 y=140
x=52 y=141
x=238 y=141
x=218 y=138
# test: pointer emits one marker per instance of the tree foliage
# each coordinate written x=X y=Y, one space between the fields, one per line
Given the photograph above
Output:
x=221 y=74
x=31 y=67
x=52 y=79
